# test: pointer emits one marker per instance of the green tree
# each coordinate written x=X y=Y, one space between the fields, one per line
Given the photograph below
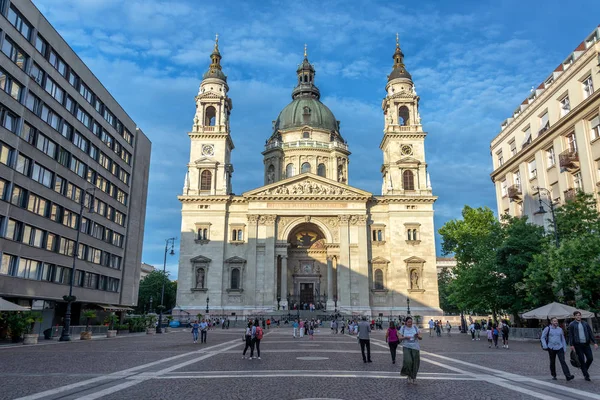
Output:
x=474 y=241
x=151 y=286
x=445 y=279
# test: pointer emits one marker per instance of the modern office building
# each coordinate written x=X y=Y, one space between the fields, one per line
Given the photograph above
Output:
x=73 y=165
x=550 y=146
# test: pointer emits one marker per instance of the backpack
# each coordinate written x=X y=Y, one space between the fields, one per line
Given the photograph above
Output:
x=259 y=333
x=505 y=330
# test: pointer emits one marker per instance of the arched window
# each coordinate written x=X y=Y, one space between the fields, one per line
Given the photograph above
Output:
x=403 y=115
x=289 y=170
x=200 y=234
x=210 y=116
x=204 y=234
x=414 y=234
x=378 y=279
x=271 y=174
x=410 y=234
x=205 y=180
x=374 y=236
x=240 y=235
x=341 y=173
x=380 y=235
x=234 y=234
x=321 y=170
x=235 y=278
x=408 y=180
x=305 y=168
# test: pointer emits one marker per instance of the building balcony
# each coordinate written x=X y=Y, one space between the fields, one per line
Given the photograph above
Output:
x=306 y=144
x=515 y=193
x=570 y=194
x=569 y=160
x=405 y=128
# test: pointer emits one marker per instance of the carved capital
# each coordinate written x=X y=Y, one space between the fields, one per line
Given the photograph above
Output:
x=252 y=219
x=344 y=219
x=267 y=220
x=358 y=219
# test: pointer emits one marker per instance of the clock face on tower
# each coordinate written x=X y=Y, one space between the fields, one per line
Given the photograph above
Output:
x=208 y=150
x=406 y=150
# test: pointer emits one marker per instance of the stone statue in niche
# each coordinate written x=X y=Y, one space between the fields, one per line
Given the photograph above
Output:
x=200 y=278
x=414 y=279
x=270 y=176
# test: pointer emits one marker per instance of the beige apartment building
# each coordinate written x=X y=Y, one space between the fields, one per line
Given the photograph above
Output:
x=65 y=143
x=550 y=146
x=305 y=235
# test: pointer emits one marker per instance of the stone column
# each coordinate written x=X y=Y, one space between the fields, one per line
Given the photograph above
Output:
x=330 y=293
x=270 y=267
x=284 y=281
x=362 y=269
x=250 y=274
x=343 y=266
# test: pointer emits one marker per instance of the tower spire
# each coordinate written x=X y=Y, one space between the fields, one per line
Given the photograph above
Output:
x=306 y=79
x=214 y=69
x=399 y=69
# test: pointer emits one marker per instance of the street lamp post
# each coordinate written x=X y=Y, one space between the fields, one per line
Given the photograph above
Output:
x=408 y=306
x=278 y=301
x=325 y=299
x=162 y=291
x=150 y=308
x=542 y=211
x=207 y=300
x=335 y=299
x=70 y=299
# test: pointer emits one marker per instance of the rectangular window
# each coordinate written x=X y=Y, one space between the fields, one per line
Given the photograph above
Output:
x=578 y=181
x=527 y=138
x=42 y=175
x=27 y=133
x=55 y=212
x=70 y=104
x=107 y=138
x=532 y=169
x=48 y=271
x=80 y=141
x=36 y=73
x=3 y=191
x=73 y=79
x=69 y=218
x=8 y=119
x=32 y=102
x=10 y=85
x=59 y=184
x=124 y=177
x=49 y=116
x=93 y=152
x=62 y=275
x=6 y=154
x=15 y=53
x=513 y=147
x=33 y=236
x=113 y=285
x=565 y=106
x=54 y=90
x=38 y=205
x=66 y=130
x=544 y=123
x=41 y=45
x=117 y=239
x=50 y=242
x=571 y=142
x=73 y=192
x=108 y=116
x=550 y=157
x=127 y=136
x=126 y=156
x=22 y=164
x=91 y=175
x=8 y=265
x=101 y=183
x=121 y=197
x=595 y=128
x=57 y=63
x=77 y=166
x=504 y=188
x=588 y=87
x=86 y=93
x=119 y=218
x=64 y=157
x=13 y=230
x=19 y=22
x=104 y=160
x=98 y=105
x=500 y=158
x=84 y=117
x=46 y=145
x=18 y=196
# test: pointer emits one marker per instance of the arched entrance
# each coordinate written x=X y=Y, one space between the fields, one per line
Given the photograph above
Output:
x=307 y=265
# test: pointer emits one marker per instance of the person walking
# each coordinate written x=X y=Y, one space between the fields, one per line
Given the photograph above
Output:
x=258 y=335
x=248 y=339
x=195 y=328
x=391 y=337
x=431 y=327
x=301 y=329
x=203 y=330
x=495 y=335
x=580 y=337
x=363 y=338
x=490 y=336
x=505 y=330
x=553 y=341
x=343 y=326
x=411 y=351
x=295 y=326
x=438 y=328
x=477 y=330
x=472 y=330
x=448 y=327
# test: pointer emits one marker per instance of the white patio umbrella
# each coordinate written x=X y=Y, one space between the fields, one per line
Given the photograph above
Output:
x=8 y=306
x=555 y=310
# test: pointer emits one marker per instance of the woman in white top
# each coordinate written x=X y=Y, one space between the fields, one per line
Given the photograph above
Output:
x=410 y=336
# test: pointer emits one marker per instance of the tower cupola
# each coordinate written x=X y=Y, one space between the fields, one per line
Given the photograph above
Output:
x=214 y=70
x=399 y=69
x=306 y=80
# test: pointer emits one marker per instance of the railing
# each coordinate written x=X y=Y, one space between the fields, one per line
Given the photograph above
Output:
x=514 y=192
x=570 y=194
x=209 y=128
x=405 y=128
x=569 y=159
x=305 y=144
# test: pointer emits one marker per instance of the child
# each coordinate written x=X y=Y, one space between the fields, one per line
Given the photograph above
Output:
x=495 y=335
x=489 y=337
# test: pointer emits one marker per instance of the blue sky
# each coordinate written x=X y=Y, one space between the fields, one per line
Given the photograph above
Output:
x=473 y=63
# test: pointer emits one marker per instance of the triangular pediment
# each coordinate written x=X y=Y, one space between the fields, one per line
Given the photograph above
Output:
x=408 y=160
x=209 y=95
x=205 y=160
x=380 y=260
x=235 y=260
x=307 y=185
x=200 y=259
x=414 y=260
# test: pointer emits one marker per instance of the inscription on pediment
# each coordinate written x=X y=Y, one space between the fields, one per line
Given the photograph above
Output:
x=306 y=187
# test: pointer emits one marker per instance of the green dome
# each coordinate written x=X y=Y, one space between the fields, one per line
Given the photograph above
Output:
x=306 y=111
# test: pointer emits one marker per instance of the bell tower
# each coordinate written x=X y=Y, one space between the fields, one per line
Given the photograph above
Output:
x=404 y=170
x=209 y=168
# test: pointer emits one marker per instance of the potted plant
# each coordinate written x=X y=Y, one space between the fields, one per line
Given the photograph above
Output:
x=88 y=315
x=169 y=319
x=21 y=324
x=151 y=324
x=111 y=320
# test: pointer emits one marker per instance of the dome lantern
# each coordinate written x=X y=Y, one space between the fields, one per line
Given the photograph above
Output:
x=214 y=70
x=399 y=69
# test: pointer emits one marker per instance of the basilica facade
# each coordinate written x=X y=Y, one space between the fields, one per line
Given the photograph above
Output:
x=307 y=236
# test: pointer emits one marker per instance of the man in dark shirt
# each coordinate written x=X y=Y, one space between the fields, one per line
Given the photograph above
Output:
x=580 y=337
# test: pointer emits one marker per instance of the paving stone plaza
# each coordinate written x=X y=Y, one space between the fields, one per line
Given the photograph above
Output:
x=328 y=367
